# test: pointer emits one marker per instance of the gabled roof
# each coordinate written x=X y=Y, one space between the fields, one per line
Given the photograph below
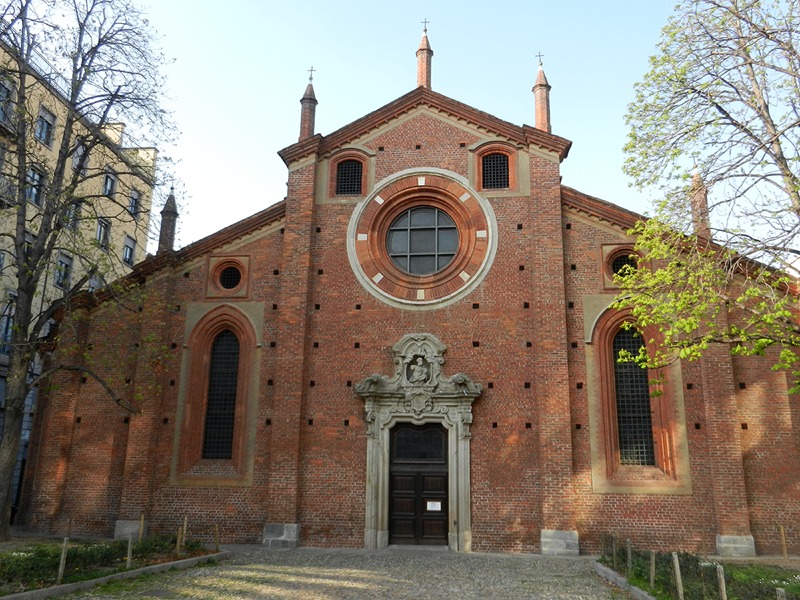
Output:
x=601 y=209
x=524 y=134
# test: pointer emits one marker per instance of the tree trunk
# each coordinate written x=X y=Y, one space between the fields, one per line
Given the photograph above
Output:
x=9 y=448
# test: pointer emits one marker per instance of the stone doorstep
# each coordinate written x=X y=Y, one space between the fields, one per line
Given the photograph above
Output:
x=68 y=588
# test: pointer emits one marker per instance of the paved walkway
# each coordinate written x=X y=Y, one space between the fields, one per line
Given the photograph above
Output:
x=395 y=573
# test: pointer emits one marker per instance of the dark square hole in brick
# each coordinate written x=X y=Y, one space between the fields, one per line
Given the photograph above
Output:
x=127 y=380
x=281 y=229
x=274 y=307
x=276 y=272
x=83 y=379
x=311 y=383
x=574 y=344
x=319 y=229
x=311 y=422
x=475 y=344
x=577 y=425
x=568 y=226
x=418 y=146
x=136 y=345
x=519 y=226
x=141 y=308
x=697 y=425
x=173 y=345
x=349 y=383
x=269 y=381
x=358 y=307
x=529 y=344
x=177 y=308
x=579 y=386
x=570 y=305
x=316 y=344
x=91 y=346
x=347 y=422
x=526 y=305
x=165 y=420
x=527 y=385
x=490 y=385
x=522 y=267
x=689 y=386
x=77 y=419
x=268 y=422
x=494 y=425
x=476 y=305
x=126 y=420
x=172 y=382
x=380 y=148
x=357 y=345
x=186 y=273
x=316 y=307
x=320 y=271
x=528 y=426
x=744 y=425
x=573 y=267
x=742 y=386
x=462 y=145
x=272 y=344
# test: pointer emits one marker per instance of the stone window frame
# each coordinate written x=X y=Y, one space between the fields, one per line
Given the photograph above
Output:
x=216 y=265
x=370 y=223
x=45 y=126
x=189 y=468
x=671 y=474
x=336 y=161
x=496 y=148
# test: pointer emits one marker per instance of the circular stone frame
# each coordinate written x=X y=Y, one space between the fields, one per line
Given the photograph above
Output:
x=369 y=226
x=216 y=276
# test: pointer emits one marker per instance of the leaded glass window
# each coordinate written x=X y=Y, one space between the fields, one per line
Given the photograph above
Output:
x=422 y=240
x=632 y=386
x=221 y=405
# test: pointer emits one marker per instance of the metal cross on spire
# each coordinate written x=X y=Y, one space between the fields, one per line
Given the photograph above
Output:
x=539 y=56
x=311 y=74
x=425 y=25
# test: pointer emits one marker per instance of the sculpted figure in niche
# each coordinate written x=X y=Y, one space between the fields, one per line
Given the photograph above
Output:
x=418 y=371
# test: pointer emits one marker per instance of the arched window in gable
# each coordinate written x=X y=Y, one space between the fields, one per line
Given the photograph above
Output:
x=221 y=405
x=349 y=178
x=494 y=171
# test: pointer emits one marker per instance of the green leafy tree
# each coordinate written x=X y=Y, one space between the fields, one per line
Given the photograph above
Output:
x=70 y=72
x=715 y=131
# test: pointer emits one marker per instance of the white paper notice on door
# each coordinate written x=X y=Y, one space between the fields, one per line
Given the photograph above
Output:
x=434 y=506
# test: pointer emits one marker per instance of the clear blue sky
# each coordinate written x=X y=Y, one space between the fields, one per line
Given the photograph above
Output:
x=241 y=67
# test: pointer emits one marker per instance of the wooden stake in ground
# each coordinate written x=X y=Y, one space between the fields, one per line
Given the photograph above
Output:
x=783 y=543
x=614 y=551
x=723 y=591
x=652 y=569
x=216 y=537
x=676 y=568
x=629 y=557
x=130 y=551
x=141 y=527
x=185 y=526
x=178 y=541
x=63 y=563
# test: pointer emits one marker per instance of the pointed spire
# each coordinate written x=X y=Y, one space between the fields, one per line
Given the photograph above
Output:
x=308 y=109
x=699 y=198
x=424 y=55
x=169 y=221
x=541 y=97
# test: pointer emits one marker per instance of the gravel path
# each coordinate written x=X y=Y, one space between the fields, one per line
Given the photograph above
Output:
x=396 y=573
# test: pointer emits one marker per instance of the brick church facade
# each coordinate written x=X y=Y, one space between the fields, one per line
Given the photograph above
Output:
x=415 y=347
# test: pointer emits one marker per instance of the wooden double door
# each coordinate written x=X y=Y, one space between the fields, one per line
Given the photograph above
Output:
x=418 y=482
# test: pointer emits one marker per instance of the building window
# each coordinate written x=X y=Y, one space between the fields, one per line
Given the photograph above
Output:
x=45 y=124
x=63 y=271
x=349 y=177
x=135 y=203
x=6 y=105
x=221 y=404
x=103 y=233
x=128 y=250
x=494 y=170
x=80 y=160
x=72 y=215
x=110 y=185
x=35 y=191
x=422 y=240
x=632 y=392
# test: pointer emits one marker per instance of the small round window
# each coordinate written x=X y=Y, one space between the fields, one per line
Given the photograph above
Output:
x=230 y=277
x=422 y=240
x=620 y=261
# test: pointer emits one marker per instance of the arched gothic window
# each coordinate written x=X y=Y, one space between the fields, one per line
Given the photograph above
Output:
x=221 y=405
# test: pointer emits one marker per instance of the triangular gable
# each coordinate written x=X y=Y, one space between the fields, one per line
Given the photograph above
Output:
x=525 y=134
x=601 y=209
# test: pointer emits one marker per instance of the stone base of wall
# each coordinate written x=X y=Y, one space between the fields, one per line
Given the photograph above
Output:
x=736 y=545
x=559 y=543
x=123 y=529
x=281 y=535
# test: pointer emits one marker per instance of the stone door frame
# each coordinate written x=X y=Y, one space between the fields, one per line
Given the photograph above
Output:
x=418 y=393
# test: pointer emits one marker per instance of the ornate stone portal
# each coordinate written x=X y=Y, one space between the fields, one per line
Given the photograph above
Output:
x=418 y=393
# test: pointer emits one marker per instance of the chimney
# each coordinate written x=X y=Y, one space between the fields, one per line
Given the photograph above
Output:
x=309 y=109
x=541 y=97
x=424 y=55
x=169 y=220
x=699 y=198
